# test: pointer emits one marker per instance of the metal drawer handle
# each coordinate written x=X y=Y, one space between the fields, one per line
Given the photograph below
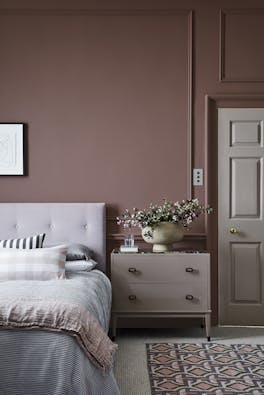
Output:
x=132 y=297
x=189 y=269
x=189 y=297
x=132 y=270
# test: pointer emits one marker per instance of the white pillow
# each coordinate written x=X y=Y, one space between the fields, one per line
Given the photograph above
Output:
x=32 y=264
x=80 y=265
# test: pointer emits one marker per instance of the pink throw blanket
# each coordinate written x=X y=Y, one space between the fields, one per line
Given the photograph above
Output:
x=61 y=317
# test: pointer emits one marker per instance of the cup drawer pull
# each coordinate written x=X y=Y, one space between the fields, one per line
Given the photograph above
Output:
x=133 y=270
x=189 y=270
x=189 y=297
x=132 y=297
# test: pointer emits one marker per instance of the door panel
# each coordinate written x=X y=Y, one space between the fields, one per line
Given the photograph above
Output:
x=246 y=133
x=245 y=171
x=240 y=216
x=245 y=272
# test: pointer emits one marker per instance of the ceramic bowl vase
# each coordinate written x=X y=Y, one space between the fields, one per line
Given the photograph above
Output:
x=163 y=235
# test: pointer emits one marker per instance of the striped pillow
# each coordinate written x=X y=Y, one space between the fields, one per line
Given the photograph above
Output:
x=34 y=264
x=35 y=241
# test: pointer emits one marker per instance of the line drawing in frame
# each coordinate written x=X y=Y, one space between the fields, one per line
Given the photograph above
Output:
x=11 y=149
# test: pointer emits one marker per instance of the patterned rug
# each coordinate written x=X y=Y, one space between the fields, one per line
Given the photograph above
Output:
x=205 y=368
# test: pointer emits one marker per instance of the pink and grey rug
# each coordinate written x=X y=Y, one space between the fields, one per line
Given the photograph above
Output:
x=205 y=368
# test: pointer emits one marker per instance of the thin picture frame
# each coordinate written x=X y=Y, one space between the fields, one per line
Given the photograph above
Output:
x=11 y=149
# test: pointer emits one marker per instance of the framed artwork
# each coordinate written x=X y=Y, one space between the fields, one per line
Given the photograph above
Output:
x=11 y=149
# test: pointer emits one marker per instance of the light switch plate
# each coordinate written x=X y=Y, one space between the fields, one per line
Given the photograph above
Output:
x=197 y=177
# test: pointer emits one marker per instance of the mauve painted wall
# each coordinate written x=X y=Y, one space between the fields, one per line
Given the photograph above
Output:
x=105 y=90
x=105 y=96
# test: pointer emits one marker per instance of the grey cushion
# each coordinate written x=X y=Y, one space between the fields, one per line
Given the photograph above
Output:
x=76 y=251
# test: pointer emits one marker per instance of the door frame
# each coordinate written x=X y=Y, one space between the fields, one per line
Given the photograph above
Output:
x=212 y=103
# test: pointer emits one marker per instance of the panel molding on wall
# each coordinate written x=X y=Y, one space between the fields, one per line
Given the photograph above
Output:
x=224 y=13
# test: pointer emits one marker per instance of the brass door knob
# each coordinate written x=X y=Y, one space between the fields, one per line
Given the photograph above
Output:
x=233 y=230
x=132 y=270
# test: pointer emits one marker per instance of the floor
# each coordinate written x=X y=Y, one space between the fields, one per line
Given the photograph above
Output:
x=131 y=368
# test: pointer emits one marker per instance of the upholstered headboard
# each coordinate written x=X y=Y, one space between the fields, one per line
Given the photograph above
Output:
x=62 y=222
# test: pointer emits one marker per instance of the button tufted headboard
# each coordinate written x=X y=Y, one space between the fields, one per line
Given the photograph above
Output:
x=62 y=222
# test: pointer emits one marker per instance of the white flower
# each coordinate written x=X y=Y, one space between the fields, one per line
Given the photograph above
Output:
x=183 y=212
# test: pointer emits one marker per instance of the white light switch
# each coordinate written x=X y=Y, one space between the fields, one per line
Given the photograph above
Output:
x=197 y=177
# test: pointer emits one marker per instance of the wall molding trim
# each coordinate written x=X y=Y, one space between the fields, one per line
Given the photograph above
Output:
x=138 y=238
x=136 y=12
x=222 y=40
x=190 y=105
x=94 y=11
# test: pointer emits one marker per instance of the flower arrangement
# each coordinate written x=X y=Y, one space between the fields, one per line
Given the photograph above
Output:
x=181 y=212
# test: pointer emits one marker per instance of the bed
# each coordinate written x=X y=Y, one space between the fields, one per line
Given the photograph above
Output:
x=46 y=362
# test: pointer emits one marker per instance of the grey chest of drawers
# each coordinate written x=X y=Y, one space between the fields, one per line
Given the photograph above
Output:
x=173 y=284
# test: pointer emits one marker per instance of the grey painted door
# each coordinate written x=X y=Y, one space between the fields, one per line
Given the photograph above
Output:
x=241 y=225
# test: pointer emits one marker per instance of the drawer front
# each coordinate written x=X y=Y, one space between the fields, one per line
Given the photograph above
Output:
x=138 y=268
x=160 y=298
